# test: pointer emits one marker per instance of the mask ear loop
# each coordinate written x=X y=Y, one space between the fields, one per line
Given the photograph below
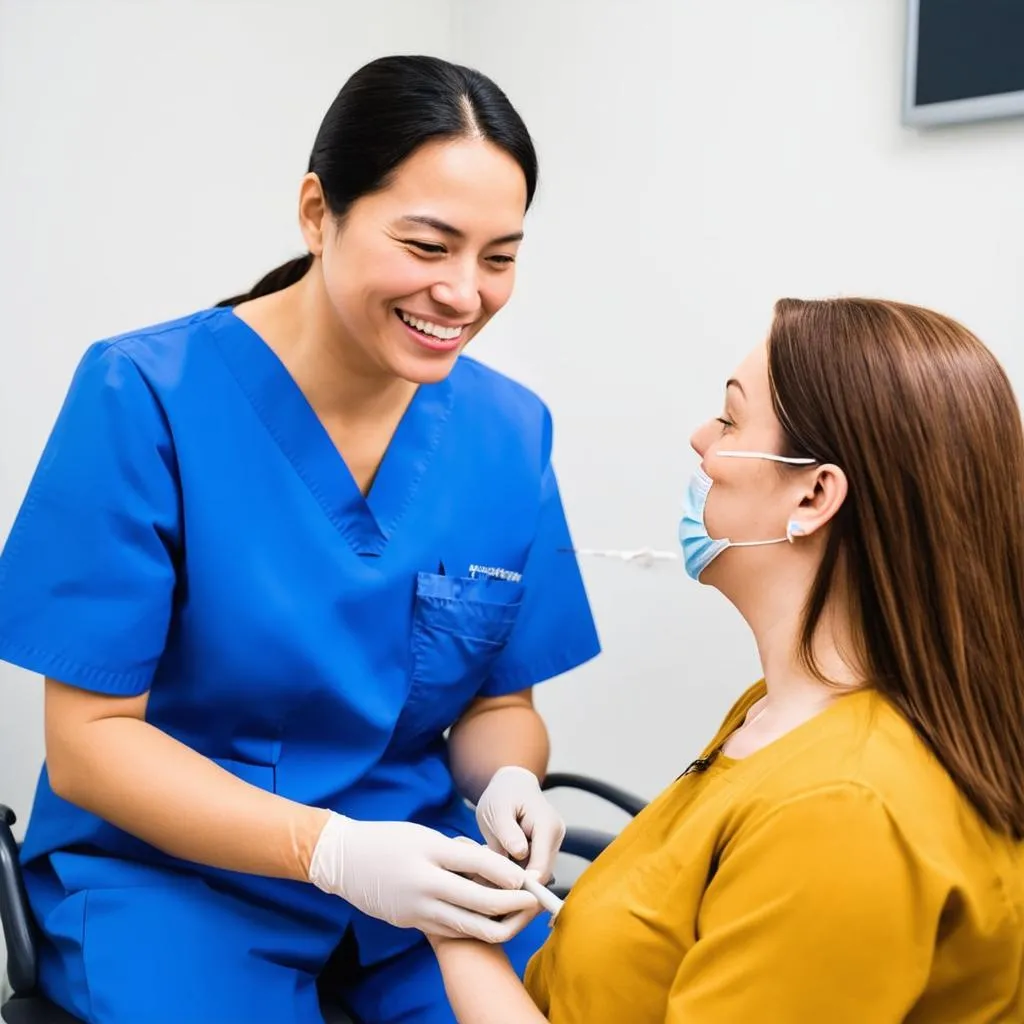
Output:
x=788 y=460
x=793 y=528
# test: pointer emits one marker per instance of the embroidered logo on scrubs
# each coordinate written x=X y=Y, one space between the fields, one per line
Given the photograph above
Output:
x=498 y=574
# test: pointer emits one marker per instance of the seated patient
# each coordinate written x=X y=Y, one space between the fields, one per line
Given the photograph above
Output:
x=848 y=846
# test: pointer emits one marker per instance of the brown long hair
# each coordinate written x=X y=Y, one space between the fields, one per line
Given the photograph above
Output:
x=929 y=543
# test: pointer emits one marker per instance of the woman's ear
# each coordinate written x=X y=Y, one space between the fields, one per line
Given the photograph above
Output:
x=825 y=494
x=312 y=213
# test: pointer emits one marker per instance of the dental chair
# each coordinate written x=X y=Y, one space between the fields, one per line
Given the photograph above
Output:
x=26 y=1005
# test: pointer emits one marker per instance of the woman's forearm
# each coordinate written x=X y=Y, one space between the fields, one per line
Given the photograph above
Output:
x=500 y=732
x=481 y=985
x=148 y=784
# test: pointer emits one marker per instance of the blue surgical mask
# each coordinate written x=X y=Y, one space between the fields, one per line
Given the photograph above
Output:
x=699 y=548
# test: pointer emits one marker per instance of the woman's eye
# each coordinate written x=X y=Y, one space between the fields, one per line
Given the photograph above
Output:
x=502 y=260
x=431 y=248
x=726 y=424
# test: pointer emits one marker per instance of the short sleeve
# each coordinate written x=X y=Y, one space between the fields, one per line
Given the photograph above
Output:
x=87 y=574
x=555 y=630
x=820 y=913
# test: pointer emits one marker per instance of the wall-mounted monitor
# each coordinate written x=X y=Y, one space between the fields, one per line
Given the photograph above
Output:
x=964 y=61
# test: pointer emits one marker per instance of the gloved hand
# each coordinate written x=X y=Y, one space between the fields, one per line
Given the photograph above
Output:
x=412 y=877
x=516 y=819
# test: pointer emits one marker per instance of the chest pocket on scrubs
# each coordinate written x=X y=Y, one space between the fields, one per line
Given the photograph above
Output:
x=459 y=628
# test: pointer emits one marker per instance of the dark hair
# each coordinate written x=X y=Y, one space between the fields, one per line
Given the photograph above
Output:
x=383 y=114
x=928 y=546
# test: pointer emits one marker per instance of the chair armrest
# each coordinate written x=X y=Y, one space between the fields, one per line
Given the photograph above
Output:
x=587 y=843
x=627 y=802
x=15 y=916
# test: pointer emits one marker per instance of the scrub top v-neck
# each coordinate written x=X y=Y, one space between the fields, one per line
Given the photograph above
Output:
x=366 y=522
x=192 y=531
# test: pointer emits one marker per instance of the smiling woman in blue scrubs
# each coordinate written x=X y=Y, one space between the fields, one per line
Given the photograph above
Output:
x=271 y=553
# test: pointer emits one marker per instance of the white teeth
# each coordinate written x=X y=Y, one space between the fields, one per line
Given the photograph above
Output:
x=436 y=330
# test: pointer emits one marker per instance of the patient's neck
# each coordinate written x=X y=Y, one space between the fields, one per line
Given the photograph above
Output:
x=794 y=693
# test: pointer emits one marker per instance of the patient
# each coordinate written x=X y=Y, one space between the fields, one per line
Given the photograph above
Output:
x=848 y=846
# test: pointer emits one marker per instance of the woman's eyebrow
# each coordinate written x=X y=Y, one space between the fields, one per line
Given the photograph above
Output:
x=453 y=232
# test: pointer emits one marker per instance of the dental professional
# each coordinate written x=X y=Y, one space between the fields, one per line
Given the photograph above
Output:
x=272 y=552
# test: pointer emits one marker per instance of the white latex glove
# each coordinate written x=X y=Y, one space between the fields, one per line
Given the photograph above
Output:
x=516 y=819
x=413 y=877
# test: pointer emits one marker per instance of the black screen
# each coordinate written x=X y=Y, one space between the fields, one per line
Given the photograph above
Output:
x=969 y=48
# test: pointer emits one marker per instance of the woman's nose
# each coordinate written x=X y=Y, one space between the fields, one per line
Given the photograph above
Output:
x=699 y=440
x=460 y=292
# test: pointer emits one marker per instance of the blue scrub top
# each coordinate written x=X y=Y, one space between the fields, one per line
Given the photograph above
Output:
x=191 y=530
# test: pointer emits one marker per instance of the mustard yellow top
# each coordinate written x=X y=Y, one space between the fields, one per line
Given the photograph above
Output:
x=836 y=875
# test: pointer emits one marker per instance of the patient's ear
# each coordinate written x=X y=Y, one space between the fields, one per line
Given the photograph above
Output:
x=823 y=497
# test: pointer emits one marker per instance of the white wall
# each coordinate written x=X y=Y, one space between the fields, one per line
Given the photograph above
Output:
x=698 y=161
